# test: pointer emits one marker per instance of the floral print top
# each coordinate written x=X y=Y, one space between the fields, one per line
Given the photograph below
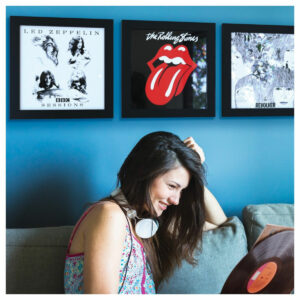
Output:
x=138 y=279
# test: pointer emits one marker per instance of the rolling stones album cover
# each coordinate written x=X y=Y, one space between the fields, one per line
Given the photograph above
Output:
x=170 y=69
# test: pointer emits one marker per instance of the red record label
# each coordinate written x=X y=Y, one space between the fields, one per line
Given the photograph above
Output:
x=262 y=277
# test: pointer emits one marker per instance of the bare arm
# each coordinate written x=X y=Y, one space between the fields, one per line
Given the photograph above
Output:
x=215 y=215
x=103 y=244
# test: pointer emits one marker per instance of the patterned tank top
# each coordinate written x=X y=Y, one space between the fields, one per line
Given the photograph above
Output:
x=137 y=280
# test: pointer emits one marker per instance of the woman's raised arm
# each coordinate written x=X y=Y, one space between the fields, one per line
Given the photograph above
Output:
x=215 y=215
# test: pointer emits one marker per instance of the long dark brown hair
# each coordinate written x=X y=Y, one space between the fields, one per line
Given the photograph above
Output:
x=180 y=227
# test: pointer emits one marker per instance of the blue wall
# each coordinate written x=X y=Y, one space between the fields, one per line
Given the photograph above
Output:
x=55 y=166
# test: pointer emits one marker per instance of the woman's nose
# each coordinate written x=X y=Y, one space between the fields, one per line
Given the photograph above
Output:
x=174 y=198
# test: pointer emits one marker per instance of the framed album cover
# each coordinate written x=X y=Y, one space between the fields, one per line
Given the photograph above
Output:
x=61 y=68
x=168 y=69
x=257 y=70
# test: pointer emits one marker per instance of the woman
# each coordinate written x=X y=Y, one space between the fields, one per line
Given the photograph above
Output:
x=162 y=179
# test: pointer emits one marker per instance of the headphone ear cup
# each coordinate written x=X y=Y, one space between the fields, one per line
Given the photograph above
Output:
x=146 y=228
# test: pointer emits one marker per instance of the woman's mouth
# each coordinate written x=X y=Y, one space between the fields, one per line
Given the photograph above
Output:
x=162 y=206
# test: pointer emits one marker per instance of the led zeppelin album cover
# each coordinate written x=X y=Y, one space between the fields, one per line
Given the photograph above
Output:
x=61 y=68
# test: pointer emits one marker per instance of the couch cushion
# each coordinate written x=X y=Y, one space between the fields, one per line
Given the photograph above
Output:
x=35 y=260
x=222 y=249
x=256 y=217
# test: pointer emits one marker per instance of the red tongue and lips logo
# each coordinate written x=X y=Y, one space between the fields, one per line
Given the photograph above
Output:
x=168 y=78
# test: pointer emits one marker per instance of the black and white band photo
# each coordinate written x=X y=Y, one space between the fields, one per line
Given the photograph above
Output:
x=62 y=68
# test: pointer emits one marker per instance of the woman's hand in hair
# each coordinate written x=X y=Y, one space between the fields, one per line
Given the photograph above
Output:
x=190 y=142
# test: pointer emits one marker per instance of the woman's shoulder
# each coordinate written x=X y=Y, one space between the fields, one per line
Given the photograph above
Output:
x=102 y=219
x=106 y=213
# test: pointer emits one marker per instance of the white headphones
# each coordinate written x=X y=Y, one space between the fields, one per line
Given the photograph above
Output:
x=144 y=228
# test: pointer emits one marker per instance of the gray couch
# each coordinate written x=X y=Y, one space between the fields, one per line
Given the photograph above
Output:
x=35 y=256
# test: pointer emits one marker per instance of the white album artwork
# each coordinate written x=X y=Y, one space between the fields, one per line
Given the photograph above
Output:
x=62 y=68
x=262 y=70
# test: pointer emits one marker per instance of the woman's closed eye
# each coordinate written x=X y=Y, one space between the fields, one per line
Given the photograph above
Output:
x=171 y=186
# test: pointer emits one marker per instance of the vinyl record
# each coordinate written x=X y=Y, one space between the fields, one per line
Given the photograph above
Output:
x=268 y=268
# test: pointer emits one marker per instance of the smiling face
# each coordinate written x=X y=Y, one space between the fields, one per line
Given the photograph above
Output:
x=166 y=189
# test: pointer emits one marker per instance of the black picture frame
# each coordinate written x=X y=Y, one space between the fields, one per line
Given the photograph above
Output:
x=257 y=70
x=43 y=50
x=142 y=87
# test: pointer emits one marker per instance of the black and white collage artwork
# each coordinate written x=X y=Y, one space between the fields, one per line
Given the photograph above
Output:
x=262 y=70
x=62 y=68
